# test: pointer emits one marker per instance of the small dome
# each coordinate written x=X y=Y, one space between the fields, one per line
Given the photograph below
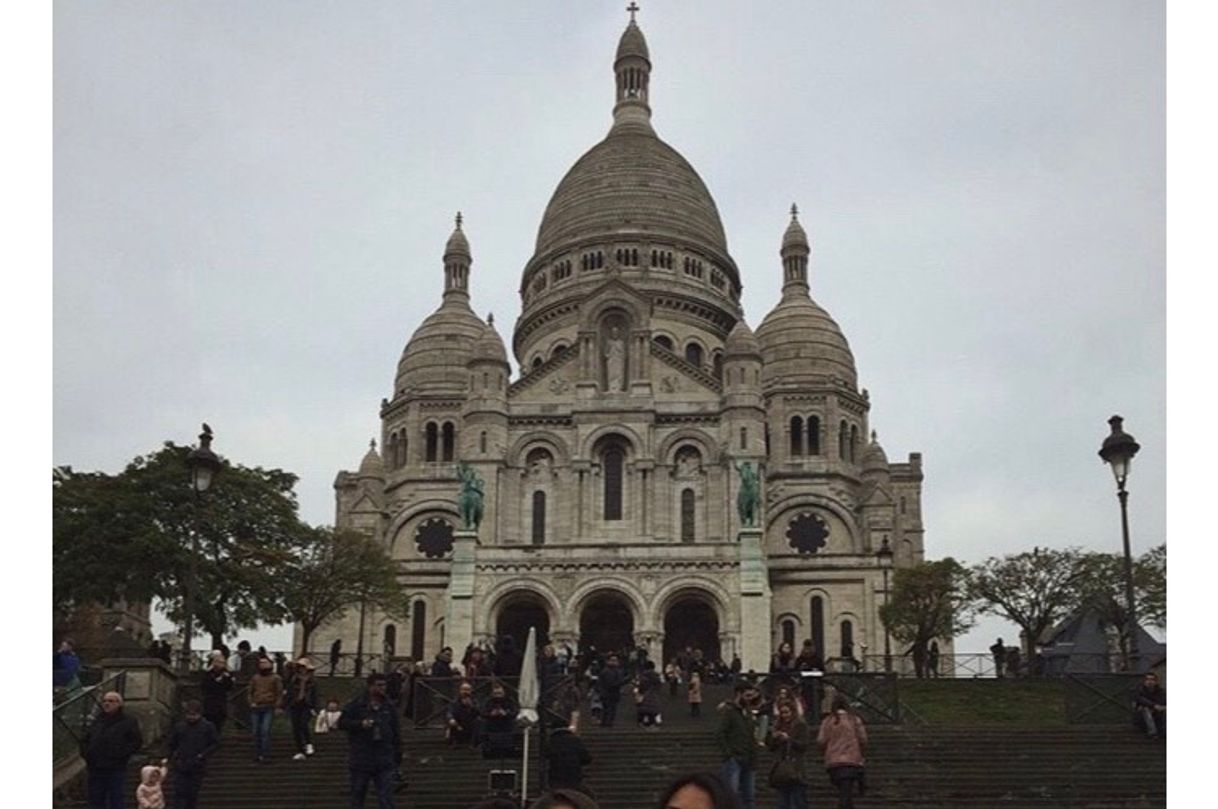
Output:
x=801 y=343
x=632 y=43
x=489 y=346
x=457 y=244
x=795 y=237
x=372 y=465
x=874 y=459
x=741 y=341
x=434 y=359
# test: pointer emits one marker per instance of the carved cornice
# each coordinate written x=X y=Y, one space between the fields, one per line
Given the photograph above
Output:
x=668 y=419
x=540 y=420
x=616 y=565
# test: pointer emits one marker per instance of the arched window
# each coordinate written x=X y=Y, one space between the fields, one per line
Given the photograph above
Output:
x=717 y=364
x=854 y=442
x=482 y=442
x=843 y=436
x=693 y=354
x=390 y=641
x=903 y=511
x=537 y=361
x=558 y=349
x=744 y=437
x=418 y=629
x=818 y=624
x=613 y=459
x=687 y=515
x=813 y=435
x=797 y=436
x=767 y=440
x=664 y=342
x=403 y=447
x=431 y=436
x=847 y=640
x=788 y=632
x=449 y=440
x=539 y=518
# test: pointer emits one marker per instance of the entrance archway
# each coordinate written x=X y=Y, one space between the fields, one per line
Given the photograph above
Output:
x=607 y=623
x=691 y=622
x=518 y=613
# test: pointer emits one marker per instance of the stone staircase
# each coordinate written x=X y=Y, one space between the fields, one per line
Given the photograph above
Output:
x=1082 y=767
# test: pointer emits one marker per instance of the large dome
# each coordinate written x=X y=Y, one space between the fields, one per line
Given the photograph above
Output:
x=631 y=183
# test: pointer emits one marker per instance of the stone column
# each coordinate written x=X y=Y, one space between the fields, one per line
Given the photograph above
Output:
x=754 y=602
x=459 y=603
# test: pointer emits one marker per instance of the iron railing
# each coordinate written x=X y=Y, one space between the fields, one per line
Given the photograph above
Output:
x=72 y=717
x=971 y=665
x=1100 y=699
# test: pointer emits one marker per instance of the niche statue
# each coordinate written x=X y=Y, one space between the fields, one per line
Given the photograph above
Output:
x=469 y=501
x=615 y=360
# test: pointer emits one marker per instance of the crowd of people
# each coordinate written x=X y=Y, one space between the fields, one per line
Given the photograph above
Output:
x=778 y=711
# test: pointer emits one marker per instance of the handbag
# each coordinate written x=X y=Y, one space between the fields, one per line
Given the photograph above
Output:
x=785 y=771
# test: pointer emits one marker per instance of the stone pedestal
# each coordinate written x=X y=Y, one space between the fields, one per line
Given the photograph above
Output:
x=459 y=601
x=754 y=602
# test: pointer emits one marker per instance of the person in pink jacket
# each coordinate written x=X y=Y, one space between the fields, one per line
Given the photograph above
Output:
x=843 y=739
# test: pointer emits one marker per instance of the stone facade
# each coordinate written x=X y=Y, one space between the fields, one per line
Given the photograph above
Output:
x=610 y=461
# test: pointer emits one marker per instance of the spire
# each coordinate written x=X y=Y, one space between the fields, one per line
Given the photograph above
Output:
x=457 y=259
x=632 y=67
x=795 y=251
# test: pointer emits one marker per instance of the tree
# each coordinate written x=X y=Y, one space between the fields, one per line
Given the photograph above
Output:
x=129 y=536
x=929 y=600
x=1033 y=589
x=1103 y=590
x=333 y=571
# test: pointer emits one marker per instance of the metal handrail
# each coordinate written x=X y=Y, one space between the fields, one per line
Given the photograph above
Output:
x=72 y=717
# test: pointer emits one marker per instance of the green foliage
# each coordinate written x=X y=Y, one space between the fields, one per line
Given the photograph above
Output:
x=129 y=536
x=334 y=570
x=1034 y=589
x=1103 y=590
x=929 y=600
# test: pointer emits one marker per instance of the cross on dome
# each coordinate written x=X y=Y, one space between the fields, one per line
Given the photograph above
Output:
x=794 y=210
x=458 y=220
x=632 y=8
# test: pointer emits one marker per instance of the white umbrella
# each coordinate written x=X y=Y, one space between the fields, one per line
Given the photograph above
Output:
x=528 y=695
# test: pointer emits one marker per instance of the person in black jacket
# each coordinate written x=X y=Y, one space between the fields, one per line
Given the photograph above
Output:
x=1151 y=704
x=375 y=736
x=609 y=684
x=300 y=701
x=110 y=741
x=191 y=742
x=217 y=682
x=566 y=758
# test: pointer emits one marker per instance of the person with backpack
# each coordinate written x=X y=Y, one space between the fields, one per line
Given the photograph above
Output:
x=843 y=739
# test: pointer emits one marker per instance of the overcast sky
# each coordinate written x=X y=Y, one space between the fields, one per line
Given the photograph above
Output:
x=251 y=200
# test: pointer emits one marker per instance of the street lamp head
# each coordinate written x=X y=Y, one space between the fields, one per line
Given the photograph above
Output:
x=883 y=556
x=1118 y=450
x=203 y=463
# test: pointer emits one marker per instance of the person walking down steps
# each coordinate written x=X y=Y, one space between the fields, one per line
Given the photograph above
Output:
x=300 y=701
x=843 y=739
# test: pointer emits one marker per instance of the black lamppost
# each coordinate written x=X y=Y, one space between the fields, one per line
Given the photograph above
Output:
x=883 y=558
x=1117 y=451
x=204 y=464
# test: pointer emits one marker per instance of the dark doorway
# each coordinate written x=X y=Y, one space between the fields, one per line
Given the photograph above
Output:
x=607 y=624
x=520 y=613
x=691 y=622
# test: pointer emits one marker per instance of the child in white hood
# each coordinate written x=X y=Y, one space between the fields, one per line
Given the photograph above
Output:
x=149 y=794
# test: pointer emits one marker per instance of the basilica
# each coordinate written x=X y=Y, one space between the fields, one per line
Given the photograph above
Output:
x=610 y=462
